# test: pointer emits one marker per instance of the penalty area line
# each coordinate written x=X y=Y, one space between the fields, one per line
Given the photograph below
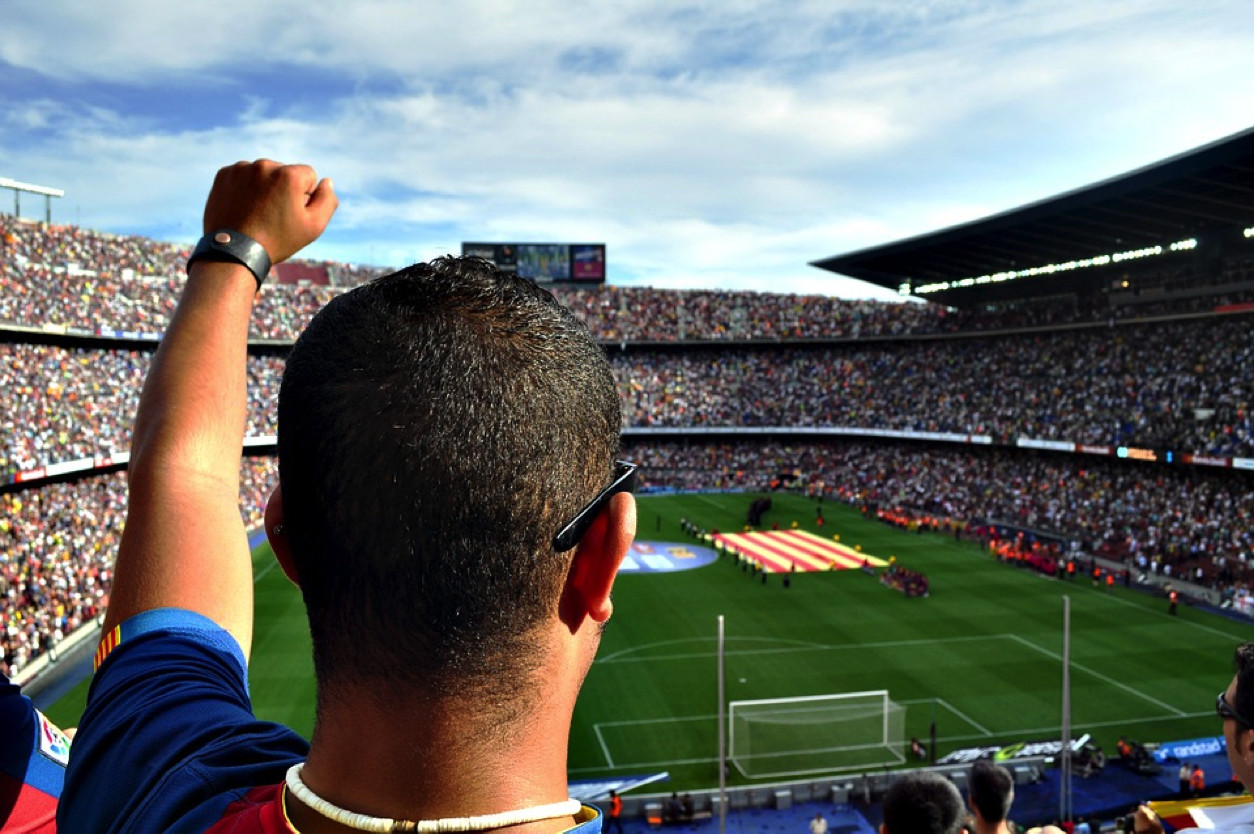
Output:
x=605 y=749
x=966 y=718
x=1100 y=676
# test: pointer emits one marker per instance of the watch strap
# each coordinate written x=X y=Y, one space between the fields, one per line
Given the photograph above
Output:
x=230 y=246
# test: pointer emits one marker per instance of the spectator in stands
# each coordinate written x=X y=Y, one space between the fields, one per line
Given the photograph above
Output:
x=922 y=803
x=56 y=561
x=990 y=791
x=982 y=387
x=456 y=562
x=33 y=754
x=1235 y=706
x=57 y=547
x=67 y=275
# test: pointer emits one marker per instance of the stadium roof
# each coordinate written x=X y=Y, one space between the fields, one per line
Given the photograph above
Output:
x=1197 y=194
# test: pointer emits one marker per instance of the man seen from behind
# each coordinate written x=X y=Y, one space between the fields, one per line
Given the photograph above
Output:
x=990 y=791
x=450 y=506
x=922 y=802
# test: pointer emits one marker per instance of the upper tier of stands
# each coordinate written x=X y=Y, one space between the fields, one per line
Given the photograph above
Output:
x=66 y=276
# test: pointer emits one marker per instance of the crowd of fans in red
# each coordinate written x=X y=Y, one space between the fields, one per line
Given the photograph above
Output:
x=67 y=399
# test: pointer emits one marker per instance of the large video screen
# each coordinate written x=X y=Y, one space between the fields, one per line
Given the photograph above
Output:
x=546 y=263
x=588 y=262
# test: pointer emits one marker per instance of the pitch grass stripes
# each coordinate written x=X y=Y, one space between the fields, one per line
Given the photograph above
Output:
x=782 y=551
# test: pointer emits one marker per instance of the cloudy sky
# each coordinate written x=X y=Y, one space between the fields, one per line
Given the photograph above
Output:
x=708 y=143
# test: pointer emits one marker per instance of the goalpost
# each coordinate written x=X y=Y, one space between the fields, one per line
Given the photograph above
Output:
x=815 y=734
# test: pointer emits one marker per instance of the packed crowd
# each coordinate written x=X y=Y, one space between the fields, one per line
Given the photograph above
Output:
x=1184 y=384
x=74 y=277
x=102 y=283
x=55 y=563
x=101 y=304
x=58 y=546
x=65 y=404
x=1179 y=518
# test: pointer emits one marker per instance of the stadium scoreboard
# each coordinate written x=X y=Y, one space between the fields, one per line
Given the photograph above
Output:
x=546 y=263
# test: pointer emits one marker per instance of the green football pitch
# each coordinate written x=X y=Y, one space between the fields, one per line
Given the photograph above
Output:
x=980 y=656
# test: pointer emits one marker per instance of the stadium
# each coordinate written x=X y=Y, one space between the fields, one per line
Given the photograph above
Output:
x=868 y=530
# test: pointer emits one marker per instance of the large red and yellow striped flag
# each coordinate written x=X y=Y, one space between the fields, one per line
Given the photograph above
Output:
x=783 y=551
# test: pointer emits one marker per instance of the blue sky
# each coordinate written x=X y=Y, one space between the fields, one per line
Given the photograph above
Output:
x=714 y=143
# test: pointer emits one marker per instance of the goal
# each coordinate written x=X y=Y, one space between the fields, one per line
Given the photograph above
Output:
x=815 y=734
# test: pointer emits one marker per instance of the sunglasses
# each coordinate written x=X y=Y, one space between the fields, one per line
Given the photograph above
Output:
x=1225 y=711
x=571 y=533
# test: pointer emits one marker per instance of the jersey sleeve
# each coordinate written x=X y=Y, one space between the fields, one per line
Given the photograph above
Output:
x=168 y=739
x=33 y=755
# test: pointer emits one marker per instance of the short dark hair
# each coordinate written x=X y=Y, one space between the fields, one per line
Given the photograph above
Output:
x=1242 y=698
x=923 y=803
x=437 y=426
x=991 y=790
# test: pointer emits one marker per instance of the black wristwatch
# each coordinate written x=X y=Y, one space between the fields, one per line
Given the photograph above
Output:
x=230 y=246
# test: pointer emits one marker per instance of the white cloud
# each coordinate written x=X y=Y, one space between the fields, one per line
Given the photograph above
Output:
x=711 y=141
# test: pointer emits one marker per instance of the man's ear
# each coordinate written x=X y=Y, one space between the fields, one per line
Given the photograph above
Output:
x=596 y=563
x=278 y=537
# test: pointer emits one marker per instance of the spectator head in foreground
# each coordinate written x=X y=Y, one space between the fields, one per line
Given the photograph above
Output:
x=450 y=505
x=990 y=791
x=438 y=427
x=922 y=803
x=1235 y=708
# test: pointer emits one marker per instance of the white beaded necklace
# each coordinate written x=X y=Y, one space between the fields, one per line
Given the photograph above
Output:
x=483 y=822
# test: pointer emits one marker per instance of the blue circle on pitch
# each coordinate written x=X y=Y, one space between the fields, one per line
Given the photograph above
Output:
x=658 y=557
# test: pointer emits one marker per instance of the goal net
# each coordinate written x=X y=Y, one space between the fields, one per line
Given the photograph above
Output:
x=815 y=734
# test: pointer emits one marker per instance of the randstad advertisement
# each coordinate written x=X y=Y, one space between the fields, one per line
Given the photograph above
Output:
x=1012 y=752
x=1195 y=748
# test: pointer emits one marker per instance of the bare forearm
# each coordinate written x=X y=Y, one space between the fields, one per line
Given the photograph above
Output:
x=185 y=454
x=192 y=413
x=184 y=543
